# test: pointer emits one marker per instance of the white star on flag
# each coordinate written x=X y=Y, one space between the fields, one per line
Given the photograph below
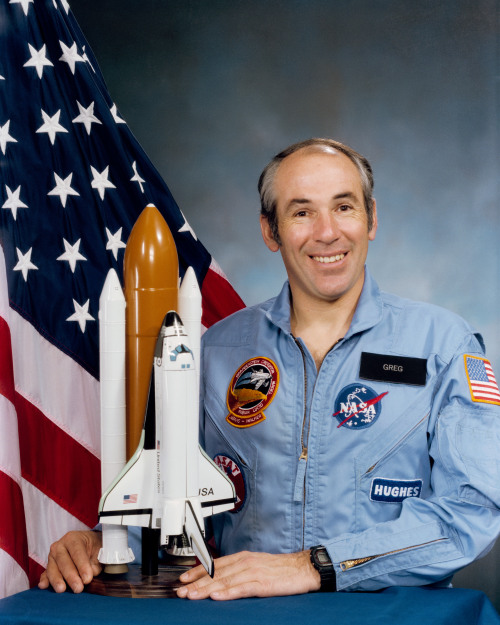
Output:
x=116 y=117
x=86 y=59
x=51 y=125
x=13 y=201
x=86 y=116
x=187 y=228
x=25 y=4
x=24 y=263
x=64 y=3
x=136 y=177
x=100 y=181
x=115 y=242
x=38 y=59
x=5 y=137
x=70 y=56
x=81 y=314
x=63 y=188
x=72 y=254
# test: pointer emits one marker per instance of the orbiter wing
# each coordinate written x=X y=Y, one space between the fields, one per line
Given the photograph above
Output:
x=217 y=493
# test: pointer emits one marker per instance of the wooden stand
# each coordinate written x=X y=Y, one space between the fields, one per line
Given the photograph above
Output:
x=135 y=584
x=149 y=579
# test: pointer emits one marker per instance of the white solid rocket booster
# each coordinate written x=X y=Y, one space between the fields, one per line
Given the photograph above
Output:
x=115 y=552
x=190 y=314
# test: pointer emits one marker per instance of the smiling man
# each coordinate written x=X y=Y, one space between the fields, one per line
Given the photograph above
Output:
x=323 y=234
x=361 y=430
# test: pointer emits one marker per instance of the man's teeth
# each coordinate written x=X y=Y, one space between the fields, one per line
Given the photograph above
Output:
x=328 y=259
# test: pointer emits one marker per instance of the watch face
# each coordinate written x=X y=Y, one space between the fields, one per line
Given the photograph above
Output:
x=322 y=557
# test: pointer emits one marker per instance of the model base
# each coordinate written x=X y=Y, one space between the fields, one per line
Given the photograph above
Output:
x=136 y=585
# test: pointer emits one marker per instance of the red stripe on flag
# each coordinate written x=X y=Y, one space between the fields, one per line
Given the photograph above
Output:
x=13 y=538
x=219 y=299
x=6 y=367
x=34 y=572
x=57 y=464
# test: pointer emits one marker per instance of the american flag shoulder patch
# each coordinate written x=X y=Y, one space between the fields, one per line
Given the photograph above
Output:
x=482 y=382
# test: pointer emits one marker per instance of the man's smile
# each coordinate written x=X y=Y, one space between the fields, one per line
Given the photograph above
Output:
x=328 y=259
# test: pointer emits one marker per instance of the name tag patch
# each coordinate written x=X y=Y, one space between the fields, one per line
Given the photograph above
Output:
x=394 y=491
x=397 y=369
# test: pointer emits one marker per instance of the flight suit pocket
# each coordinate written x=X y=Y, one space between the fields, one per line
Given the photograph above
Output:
x=237 y=529
x=392 y=468
x=477 y=442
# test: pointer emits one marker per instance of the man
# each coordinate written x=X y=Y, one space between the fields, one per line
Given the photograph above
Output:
x=354 y=424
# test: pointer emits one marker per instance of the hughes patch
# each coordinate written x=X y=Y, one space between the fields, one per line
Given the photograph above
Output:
x=394 y=491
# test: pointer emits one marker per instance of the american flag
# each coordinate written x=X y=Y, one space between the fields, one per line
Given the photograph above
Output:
x=482 y=382
x=73 y=180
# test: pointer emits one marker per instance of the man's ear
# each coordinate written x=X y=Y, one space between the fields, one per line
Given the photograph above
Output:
x=267 y=234
x=373 y=231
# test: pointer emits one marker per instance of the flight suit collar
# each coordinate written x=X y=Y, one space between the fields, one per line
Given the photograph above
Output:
x=367 y=314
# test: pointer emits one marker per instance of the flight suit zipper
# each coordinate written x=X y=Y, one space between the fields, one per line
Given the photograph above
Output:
x=350 y=564
x=299 y=493
x=397 y=444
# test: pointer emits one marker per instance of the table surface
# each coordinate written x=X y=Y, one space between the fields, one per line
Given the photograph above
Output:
x=406 y=606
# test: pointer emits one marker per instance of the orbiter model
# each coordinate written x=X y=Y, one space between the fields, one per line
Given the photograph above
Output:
x=169 y=484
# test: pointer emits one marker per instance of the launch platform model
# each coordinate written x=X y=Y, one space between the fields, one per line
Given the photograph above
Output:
x=154 y=473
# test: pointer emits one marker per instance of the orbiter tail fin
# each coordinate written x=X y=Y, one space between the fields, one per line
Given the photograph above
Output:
x=197 y=540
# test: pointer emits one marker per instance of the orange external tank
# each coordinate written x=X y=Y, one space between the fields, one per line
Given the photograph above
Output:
x=151 y=280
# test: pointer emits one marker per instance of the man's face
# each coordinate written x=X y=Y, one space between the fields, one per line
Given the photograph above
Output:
x=322 y=223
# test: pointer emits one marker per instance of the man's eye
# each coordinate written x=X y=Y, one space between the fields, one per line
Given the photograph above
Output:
x=344 y=207
x=301 y=213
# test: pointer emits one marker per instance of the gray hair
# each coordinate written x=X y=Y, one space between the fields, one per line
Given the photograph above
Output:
x=268 y=199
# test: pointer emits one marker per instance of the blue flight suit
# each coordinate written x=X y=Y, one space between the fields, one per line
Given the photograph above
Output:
x=396 y=473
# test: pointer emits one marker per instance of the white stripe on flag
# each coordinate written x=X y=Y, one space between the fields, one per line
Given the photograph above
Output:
x=10 y=462
x=46 y=522
x=12 y=577
x=42 y=374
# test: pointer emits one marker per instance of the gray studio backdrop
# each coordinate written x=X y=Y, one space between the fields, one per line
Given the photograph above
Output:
x=212 y=89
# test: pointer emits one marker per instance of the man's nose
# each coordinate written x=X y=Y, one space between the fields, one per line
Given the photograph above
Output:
x=326 y=227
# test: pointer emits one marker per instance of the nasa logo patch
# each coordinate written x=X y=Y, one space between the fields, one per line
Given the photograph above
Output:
x=235 y=474
x=357 y=406
x=251 y=390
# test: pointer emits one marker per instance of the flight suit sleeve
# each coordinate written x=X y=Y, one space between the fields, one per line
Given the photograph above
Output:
x=434 y=537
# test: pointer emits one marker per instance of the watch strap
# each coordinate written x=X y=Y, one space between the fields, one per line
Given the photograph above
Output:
x=322 y=563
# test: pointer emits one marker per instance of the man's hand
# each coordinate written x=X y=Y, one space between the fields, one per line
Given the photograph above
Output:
x=248 y=574
x=73 y=561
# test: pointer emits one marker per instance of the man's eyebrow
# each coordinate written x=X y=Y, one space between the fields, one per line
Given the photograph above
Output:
x=292 y=204
x=349 y=195
x=346 y=195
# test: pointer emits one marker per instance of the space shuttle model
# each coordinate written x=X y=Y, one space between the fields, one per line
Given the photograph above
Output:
x=168 y=484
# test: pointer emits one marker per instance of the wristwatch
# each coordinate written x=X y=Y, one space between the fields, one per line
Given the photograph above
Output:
x=322 y=563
